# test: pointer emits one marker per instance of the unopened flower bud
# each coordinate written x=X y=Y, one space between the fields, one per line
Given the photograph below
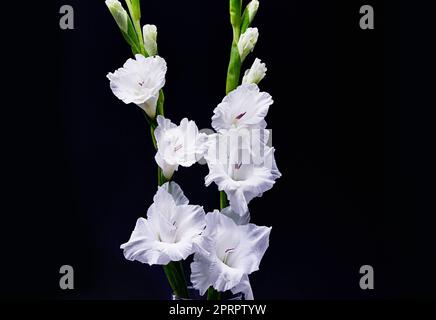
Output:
x=247 y=42
x=256 y=73
x=150 y=36
x=119 y=13
x=252 y=8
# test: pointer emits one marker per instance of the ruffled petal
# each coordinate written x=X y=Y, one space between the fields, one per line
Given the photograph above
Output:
x=238 y=219
x=251 y=249
x=142 y=245
x=174 y=189
x=245 y=287
x=167 y=169
x=245 y=106
x=139 y=82
x=201 y=276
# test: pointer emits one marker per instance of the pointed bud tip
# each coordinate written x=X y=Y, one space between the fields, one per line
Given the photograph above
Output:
x=119 y=13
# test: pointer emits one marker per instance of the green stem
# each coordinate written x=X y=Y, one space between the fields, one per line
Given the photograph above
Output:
x=212 y=294
x=234 y=70
x=223 y=200
x=176 y=279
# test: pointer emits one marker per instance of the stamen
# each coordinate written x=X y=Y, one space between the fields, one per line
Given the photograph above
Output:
x=229 y=250
x=238 y=166
x=239 y=117
x=177 y=148
x=141 y=83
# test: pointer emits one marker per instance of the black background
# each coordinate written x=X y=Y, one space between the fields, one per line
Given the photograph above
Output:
x=81 y=169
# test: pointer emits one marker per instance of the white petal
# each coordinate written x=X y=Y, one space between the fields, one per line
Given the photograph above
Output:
x=233 y=252
x=139 y=81
x=178 y=145
x=246 y=106
x=171 y=232
x=244 y=287
x=244 y=170
x=238 y=219
x=237 y=201
x=142 y=245
x=252 y=247
x=227 y=278
x=167 y=169
x=201 y=277
x=174 y=189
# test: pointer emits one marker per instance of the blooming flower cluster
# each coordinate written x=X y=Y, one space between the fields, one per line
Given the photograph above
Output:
x=227 y=248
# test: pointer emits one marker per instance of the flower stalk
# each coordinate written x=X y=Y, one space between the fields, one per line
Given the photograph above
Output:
x=130 y=26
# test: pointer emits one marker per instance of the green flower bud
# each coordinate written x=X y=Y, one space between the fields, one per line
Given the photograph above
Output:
x=252 y=8
x=119 y=13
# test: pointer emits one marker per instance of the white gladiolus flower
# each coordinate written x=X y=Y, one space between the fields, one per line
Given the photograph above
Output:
x=177 y=145
x=230 y=252
x=139 y=82
x=244 y=107
x=247 y=42
x=252 y=8
x=119 y=14
x=171 y=230
x=256 y=73
x=149 y=32
x=241 y=165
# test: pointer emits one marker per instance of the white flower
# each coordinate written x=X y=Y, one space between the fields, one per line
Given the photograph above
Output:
x=247 y=42
x=231 y=253
x=170 y=231
x=241 y=165
x=256 y=73
x=149 y=32
x=177 y=145
x=252 y=8
x=119 y=14
x=139 y=82
x=245 y=107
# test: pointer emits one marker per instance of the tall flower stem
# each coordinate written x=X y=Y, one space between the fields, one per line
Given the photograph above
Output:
x=232 y=82
x=174 y=270
x=133 y=36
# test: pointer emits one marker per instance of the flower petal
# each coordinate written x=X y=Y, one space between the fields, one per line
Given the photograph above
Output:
x=142 y=245
x=139 y=82
x=252 y=247
x=238 y=219
x=244 y=106
x=174 y=189
x=244 y=287
x=167 y=169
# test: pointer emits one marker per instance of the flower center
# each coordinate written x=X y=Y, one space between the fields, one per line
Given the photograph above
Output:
x=238 y=117
x=227 y=252
x=241 y=172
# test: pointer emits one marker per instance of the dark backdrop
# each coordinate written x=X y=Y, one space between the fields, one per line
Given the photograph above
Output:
x=83 y=168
